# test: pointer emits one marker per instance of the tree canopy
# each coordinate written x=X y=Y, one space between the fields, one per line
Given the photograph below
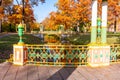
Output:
x=71 y=13
x=13 y=13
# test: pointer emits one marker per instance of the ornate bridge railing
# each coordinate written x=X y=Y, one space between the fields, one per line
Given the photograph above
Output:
x=65 y=55
x=115 y=53
x=57 y=54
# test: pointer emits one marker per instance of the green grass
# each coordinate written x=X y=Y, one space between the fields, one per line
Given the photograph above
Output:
x=113 y=38
x=6 y=44
x=79 y=39
x=84 y=39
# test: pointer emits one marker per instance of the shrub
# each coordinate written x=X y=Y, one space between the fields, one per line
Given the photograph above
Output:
x=8 y=27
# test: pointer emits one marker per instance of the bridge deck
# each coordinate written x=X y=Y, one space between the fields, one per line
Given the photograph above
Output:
x=32 y=72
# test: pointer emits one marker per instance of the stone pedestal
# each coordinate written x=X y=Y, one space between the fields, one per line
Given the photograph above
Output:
x=20 y=54
x=99 y=56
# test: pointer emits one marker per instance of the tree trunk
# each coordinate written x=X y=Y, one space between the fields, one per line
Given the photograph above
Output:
x=28 y=27
x=0 y=19
x=115 y=22
x=0 y=26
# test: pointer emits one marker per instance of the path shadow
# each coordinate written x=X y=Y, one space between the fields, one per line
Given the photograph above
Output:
x=62 y=74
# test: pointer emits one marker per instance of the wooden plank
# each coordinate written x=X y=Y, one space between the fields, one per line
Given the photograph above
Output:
x=4 y=69
x=118 y=64
x=22 y=73
x=114 y=72
x=118 y=68
x=115 y=67
x=103 y=72
x=107 y=73
x=82 y=71
x=43 y=73
x=110 y=73
x=71 y=70
x=32 y=72
x=1 y=66
x=54 y=73
x=5 y=64
x=65 y=74
x=9 y=71
x=11 y=74
x=76 y=74
x=97 y=73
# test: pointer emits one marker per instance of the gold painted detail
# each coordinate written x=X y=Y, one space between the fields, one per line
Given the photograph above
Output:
x=10 y=59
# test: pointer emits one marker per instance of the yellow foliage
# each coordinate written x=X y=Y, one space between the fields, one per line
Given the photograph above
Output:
x=1 y=9
x=19 y=15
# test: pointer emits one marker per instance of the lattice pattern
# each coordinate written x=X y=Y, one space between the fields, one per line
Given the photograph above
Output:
x=67 y=55
x=115 y=52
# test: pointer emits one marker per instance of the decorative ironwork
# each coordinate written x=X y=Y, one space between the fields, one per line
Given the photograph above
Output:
x=115 y=53
x=65 y=55
x=57 y=54
x=10 y=59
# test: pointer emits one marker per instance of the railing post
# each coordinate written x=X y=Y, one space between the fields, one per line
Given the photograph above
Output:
x=99 y=55
x=20 y=54
x=19 y=50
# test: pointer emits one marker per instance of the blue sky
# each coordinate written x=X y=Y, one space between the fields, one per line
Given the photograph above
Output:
x=42 y=10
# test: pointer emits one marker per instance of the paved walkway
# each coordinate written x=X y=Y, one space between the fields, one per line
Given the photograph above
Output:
x=5 y=34
x=31 y=72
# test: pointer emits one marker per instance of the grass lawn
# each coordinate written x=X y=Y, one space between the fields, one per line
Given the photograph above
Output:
x=6 y=44
x=84 y=39
x=79 y=39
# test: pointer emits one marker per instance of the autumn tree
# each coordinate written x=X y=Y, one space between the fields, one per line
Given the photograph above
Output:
x=25 y=13
x=71 y=13
x=45 y=23
x=13 y=14
x=1 y=14
x=52 y=22
x=114 y=15
x=65 y=8
x=82 y=13
x=5 y=7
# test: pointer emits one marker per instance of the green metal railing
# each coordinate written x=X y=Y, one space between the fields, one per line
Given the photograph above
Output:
x=57 y=54
x=115 y=53
x=63 y=55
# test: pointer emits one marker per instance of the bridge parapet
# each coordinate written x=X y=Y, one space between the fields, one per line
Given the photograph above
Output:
x=66 y=55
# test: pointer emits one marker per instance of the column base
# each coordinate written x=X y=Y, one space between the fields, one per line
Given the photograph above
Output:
x=99 y=64
x=18 y=63
x=99 y=55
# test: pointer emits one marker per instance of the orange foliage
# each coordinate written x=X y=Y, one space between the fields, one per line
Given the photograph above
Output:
x=1 y=13
x=70 y=13
x=113 y=13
